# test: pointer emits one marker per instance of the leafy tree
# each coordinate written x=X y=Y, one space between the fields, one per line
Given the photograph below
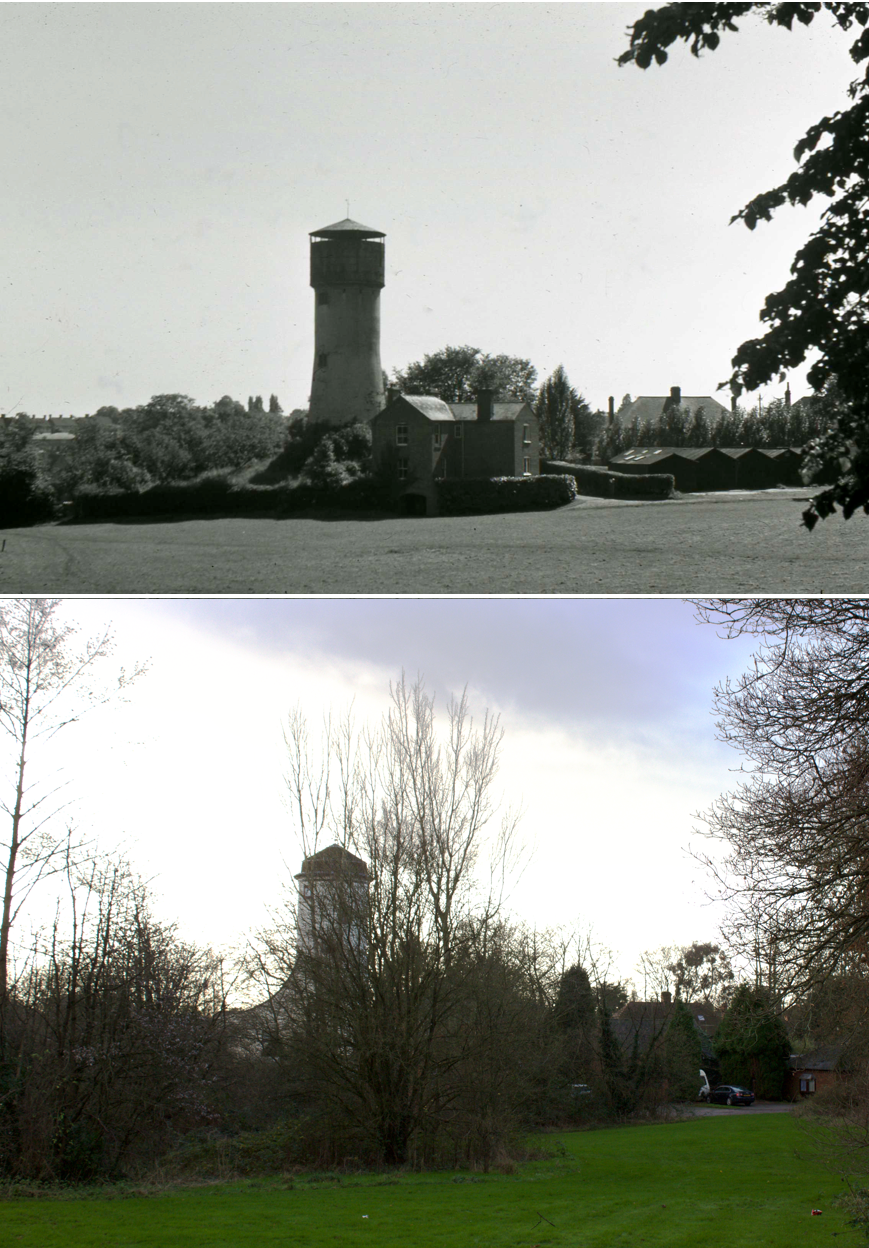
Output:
x=563 y=417
x=25 y=495
x=455 y=374
x=752 y=1043
x=824 y=306
x=681 y=1053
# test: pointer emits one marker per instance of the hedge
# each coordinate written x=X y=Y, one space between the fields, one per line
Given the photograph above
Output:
x=217 y=496
x=604 y=483
x=484 y=496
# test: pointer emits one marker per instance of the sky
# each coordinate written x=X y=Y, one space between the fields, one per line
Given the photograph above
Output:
x=609 y=748
x=165 y=164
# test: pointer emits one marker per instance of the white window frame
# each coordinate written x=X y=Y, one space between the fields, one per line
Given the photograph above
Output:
x=526 y=436
x=403 y=466
x=458 y=431
x=526 y=466
x=401 y=435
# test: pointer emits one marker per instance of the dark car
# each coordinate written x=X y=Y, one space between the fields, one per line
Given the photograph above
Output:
x=730 y=1094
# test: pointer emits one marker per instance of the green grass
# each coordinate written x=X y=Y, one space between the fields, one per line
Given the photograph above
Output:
x=728 y=1182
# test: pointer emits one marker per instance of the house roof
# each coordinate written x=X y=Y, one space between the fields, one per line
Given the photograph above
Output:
x=437 y=409
x=347 y=227
x=432 y=408
x=823 y=1058
x=656 y=454
x=508 y=410
x=650 y=406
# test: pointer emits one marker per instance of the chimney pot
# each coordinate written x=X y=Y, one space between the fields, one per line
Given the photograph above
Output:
x=676 y=395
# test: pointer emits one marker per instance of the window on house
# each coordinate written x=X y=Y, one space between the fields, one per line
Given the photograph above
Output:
x=437 y=435
x=322 y=297
x=403 y=465
x=322 y=359
x=526 y=467
x=401 y=435
x=807 y=1085
x=458 y=432
x=526 y=436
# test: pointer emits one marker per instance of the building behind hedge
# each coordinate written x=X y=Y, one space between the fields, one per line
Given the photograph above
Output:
x=419 y=440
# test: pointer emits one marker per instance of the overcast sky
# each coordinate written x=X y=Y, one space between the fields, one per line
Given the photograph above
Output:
x=609 y=745
x=164 y=164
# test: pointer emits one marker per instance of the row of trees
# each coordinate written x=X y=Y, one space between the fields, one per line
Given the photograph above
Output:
x=775 y=424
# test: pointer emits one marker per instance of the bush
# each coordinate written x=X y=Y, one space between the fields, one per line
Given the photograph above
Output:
x=604 y=483
x=485 y=496
x=216 y=495
x=25 y=496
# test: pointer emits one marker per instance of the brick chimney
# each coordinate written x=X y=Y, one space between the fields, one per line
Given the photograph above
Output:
x=675 y=396
x=392 y=393
x=611 y=414
x=788 y=395
x=666 y=997
x=485 y=404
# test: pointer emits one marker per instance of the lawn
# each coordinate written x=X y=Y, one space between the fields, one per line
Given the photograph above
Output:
x=700 y=544
x=729 y=1181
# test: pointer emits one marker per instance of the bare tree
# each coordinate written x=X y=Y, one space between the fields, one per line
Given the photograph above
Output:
x=697 y=972
x=795 y=832
x=46 y=684
x=386 y=1012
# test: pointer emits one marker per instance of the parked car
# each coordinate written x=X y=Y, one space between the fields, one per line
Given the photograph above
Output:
x=580 y=1089
x=731 y=1094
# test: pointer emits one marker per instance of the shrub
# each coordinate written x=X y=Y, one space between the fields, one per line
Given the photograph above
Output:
x=604 y=483
x=25 y=496
x=497 y=494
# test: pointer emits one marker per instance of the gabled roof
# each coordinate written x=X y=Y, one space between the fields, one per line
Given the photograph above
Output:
x=347 y=227
x=650 y=407
x=824 y=1058
x=510 y=409
x=432 y=408
x=656 y=454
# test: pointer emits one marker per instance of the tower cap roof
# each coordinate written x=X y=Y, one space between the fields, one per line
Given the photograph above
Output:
x=347 y=227
x=333 y=861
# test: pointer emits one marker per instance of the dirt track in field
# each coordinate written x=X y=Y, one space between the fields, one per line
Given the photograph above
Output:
x=701 y=544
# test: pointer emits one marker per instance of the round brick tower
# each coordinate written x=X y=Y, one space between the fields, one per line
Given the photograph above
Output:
x=347 y=268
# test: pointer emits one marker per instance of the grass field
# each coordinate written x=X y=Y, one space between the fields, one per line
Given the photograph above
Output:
x=700 y=544
x=727 y=1182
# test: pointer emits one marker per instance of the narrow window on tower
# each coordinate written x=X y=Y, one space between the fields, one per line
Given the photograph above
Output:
x=322 y=296
x=401 y=435
x=322 y=359
x=526 y=439
x=526 y=467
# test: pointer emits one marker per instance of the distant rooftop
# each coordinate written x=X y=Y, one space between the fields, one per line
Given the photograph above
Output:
x=347 y=227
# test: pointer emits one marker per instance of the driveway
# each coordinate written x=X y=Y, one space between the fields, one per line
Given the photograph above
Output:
x=759 y=1107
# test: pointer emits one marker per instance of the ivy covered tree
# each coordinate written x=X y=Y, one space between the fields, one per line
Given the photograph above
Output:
x=752 y=1044
x=824 y=308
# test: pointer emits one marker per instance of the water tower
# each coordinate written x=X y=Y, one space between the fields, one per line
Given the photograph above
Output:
x=347 y=267
x=333 y=896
